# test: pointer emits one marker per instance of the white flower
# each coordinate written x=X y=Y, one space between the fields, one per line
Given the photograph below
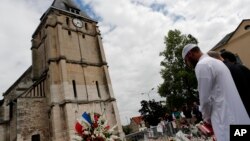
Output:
x=77 y=138
x=101 y=128
x=112 y=129
x=86 y=132
x=114 y=137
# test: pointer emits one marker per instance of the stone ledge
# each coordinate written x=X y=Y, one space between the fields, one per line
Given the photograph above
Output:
x=57 y=59
x=80 y=101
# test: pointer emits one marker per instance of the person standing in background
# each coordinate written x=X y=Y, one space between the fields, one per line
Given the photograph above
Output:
x=187 y=113
x=240 y=74
x=196 y=112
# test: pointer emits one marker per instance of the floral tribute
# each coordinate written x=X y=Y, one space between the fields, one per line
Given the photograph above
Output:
x=199 y=132
x=93 y=127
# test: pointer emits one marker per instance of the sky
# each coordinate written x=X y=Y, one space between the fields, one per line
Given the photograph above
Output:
x=133 y=36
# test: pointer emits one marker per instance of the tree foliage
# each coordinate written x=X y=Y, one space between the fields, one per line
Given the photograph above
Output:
x=126 y=129
x=179 y=82
x=152 y=111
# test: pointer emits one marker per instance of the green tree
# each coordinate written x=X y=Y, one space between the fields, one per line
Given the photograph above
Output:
x=126 y=129
x=180 y=84
x=151 y=112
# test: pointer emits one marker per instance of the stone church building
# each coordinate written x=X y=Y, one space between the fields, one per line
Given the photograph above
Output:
x=68 y=76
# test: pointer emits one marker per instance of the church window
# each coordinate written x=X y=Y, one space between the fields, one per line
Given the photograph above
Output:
x=35 y=137
x=11 y=110
x=247 y=27
x=69 y=32
x=83 y=36
x=37 y=89
x=76 y=11
x=86 y=26
x=67 y=21
x=74 y=88
x=98 y=90
x=41 y=90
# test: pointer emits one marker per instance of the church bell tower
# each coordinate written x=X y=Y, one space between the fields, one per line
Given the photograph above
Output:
x=67 y=52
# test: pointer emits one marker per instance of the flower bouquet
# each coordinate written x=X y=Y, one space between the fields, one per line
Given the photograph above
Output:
x=206 y=130
x=199 y=132
x=93 y=127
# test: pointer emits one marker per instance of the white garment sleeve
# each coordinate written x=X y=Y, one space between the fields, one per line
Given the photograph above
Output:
x=205 y=81
x=173 y=116
x=182 y=115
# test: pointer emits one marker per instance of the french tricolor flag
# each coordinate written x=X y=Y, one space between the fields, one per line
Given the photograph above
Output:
x=84 y=121
x=86 y=118
x=79 y=128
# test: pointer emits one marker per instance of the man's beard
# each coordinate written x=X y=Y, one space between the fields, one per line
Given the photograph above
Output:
x=192 y=62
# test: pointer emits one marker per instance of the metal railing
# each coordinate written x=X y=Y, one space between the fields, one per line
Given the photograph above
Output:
x=152 y=133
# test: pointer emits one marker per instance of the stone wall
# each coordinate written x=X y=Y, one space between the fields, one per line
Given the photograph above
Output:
x=32 y=119
x=3 y=129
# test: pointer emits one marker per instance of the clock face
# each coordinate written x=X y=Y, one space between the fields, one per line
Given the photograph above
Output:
x=77 y=22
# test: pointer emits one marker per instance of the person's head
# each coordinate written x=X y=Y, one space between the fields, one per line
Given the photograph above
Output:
x=215 y=55
x=184 y=107
x=194 y=103
x=191 y=54
x=228 y=56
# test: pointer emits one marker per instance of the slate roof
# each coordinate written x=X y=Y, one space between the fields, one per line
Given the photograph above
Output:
x=227 y=37
x=223 y=41
x=64 y=4
x=61 y=4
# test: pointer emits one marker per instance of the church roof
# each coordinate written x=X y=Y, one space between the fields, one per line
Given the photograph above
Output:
x=66 y=5
x=223 y=41
x=61 y=4
x=226 y=39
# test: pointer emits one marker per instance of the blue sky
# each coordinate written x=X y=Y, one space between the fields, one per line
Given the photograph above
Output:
x=88 y=9
x=133 y=36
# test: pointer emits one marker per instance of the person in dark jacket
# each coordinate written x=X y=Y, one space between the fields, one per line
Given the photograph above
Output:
x=187 y=111
x=239 y=72
x=196 y=112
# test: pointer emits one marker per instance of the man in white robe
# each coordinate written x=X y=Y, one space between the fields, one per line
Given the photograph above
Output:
x=220 y=102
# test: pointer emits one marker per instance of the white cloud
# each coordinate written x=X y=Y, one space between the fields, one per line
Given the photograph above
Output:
x=17 y=25
x=132 y=34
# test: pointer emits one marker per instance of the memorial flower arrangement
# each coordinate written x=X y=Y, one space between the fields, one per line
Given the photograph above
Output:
x=203 y=131
x=199 y=132
x=94 y=127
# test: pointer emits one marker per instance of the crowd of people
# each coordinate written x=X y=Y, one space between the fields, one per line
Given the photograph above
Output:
x=179 y=118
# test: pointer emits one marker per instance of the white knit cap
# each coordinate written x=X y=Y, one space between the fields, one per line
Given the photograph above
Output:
x=187 y=48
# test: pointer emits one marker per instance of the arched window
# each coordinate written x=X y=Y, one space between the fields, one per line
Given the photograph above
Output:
x=86 y=26
x=35 y=137
x=67 y=21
